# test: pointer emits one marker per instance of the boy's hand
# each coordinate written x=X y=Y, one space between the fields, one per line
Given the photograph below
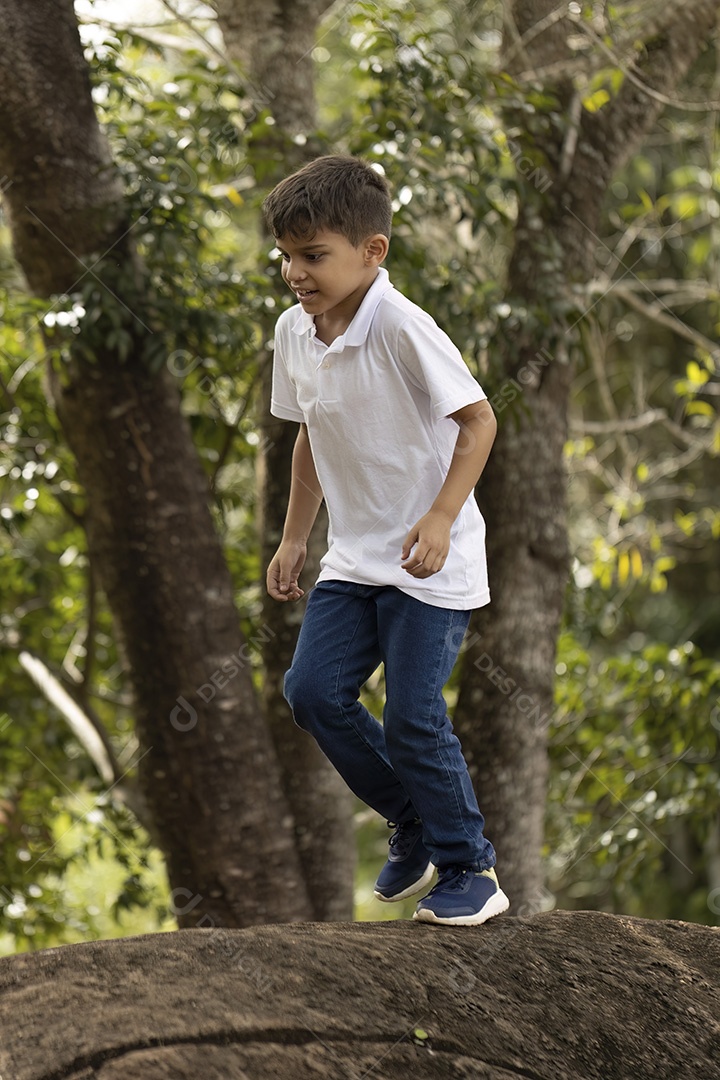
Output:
x=429 y=541
x=284 y=571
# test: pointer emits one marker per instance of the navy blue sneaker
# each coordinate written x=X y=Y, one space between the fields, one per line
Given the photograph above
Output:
x=408 y=869
x=462 y=897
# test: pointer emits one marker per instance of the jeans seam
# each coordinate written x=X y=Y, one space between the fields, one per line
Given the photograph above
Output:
x=441 y=757
x=339 y=704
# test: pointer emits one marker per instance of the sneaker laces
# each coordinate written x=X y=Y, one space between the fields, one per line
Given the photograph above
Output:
x=451 y=878
x=404 y=836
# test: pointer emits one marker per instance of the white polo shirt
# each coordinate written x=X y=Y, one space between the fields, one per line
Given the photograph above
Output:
x=376 y=405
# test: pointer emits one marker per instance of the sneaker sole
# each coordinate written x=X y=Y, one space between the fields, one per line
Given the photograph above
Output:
x=495 y=906
x=411 y=889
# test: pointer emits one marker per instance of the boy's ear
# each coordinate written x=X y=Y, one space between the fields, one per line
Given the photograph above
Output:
x=376 y=248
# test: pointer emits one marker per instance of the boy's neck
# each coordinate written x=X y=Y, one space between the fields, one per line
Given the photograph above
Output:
x=332 y=325
x=327 y=332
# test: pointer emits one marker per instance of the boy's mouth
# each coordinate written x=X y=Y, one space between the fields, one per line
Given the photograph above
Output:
x=305 y=294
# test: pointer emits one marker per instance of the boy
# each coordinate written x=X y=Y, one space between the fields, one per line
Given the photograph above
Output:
x=394 y=433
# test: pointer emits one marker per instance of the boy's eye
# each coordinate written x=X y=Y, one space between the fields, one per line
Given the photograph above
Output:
x=311 y=256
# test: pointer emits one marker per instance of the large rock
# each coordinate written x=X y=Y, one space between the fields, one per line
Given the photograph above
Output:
x=560 y=996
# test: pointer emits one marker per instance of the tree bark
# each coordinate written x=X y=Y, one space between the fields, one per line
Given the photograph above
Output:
x=506 y=694
x=578 y=995
x=321 y=802
x=208 y=768
x=273 y=42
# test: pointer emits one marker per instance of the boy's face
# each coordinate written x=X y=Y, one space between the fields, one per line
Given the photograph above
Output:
x=327 y=274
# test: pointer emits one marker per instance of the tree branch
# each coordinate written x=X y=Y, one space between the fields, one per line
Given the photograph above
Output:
x=83 y=728
x=90 y=733
x=521 y=40
x=690 y=291
x=594 y=348
x=179 y=17
x=662 y=315
x=5 y=388
x=656 y=95
x=672 y=44
x=610 y=427
x=273 y=42
x=538 y=36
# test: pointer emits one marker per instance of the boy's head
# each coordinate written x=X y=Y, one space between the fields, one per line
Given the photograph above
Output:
x=340 y=194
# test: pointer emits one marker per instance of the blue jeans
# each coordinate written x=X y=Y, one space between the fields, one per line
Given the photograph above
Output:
x=412 y=765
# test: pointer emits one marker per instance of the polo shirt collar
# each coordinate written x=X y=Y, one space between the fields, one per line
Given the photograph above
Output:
x=358 y=329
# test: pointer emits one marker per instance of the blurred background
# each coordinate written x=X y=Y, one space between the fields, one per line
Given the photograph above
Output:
x=557 y=209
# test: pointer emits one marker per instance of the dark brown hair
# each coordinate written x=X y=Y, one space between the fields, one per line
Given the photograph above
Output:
x=335 y=192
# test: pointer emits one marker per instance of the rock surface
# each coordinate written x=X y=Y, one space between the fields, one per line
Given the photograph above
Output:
x=558 y=996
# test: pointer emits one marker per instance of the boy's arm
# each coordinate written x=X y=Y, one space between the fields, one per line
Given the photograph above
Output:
x=303 y=505
x=429 y=538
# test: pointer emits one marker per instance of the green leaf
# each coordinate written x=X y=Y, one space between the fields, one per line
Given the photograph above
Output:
x=686 y=204
x=700 y=408
x=697 y=375
x=595 y=101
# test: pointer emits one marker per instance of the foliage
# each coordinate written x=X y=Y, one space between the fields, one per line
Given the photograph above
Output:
x=438 y=126
x=635 y=798
x=103 y=884
x=430 y=116
x=418 y=90
x=640 y=499
x=44 y=589
x=176 y=152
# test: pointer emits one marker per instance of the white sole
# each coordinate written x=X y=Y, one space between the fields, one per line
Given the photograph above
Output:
x=495 y=906
x=411 y=889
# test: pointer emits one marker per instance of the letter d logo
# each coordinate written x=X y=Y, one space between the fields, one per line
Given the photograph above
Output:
x=183 y=706
x=715 y=716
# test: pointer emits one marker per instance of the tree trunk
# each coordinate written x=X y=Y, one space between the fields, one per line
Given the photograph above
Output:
x=321 y=802
x=273 y=43
x=207 y=768
x=506 y=695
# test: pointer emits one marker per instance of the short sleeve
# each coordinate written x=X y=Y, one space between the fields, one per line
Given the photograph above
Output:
x=436 y=366
x=283 y=400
